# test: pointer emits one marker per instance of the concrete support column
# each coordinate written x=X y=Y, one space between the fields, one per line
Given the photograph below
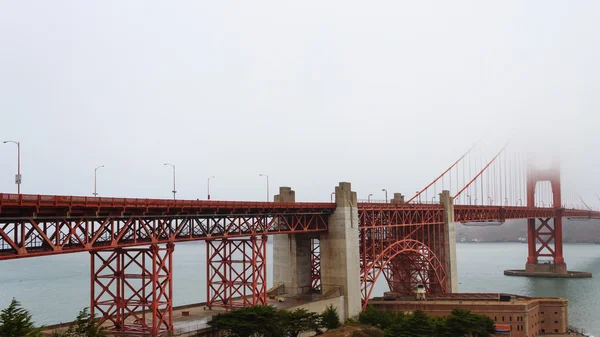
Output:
x=449 y=238
x=340 y=256
x=291 y=256
x=397 y=199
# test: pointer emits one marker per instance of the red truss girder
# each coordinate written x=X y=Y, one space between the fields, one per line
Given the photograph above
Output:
x=544 y=235
x=406 y=245
x=38 y=236
x=133 y=289
x=396 y=216
x=407 y=270
x=422 y=265
x=315 y=265
x=26 y=205
x=236 y=272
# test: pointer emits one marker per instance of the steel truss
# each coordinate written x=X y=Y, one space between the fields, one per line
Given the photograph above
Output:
x=236 y=272
x=133 y=289
x=406 y=254
x=545 y=240
x=315 y=265
x=42 y=236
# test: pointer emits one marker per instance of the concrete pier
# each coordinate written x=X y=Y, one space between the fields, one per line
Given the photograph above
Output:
x=340 y=256
x=291 y=256
x=450 y=239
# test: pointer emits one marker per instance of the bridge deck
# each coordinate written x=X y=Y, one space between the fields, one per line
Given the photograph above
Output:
x=34 y=225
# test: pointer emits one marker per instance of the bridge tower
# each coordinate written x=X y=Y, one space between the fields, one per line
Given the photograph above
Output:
x=544 y=235
x=132 y=288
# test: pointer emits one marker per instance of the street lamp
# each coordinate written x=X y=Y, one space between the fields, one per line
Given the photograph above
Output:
x=490 y=200
x=384 y=190
x=469 y=197
x=18 y=176
x=208 y=186
x=174 y=190
x=419 y=194
x=331 y=196
x=96 y=170
x=264 y=175
x=369 y=197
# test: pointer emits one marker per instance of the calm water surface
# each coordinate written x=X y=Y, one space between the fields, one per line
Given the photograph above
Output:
x=55 y=288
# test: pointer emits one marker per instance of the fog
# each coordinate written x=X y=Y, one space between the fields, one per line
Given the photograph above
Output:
x=311 y=93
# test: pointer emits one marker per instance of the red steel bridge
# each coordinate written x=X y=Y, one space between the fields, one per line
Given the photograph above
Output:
x=131 y=241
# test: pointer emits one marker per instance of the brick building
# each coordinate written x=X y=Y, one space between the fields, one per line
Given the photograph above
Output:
x=526 y=316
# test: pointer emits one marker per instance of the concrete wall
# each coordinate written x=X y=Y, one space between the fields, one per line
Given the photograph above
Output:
x=291 y=255
x=450 y=239
x=340 y=256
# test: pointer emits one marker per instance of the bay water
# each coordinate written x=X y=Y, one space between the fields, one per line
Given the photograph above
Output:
x=55 y=288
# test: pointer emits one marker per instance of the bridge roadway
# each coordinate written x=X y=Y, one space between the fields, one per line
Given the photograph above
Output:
x=38 y=225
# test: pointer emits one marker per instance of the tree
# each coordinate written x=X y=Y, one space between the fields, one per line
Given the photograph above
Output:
x=419 y=324
x=299 y=321
x=439 y=327
x=85 y=325
x=462 y=322
x=15 y=321
x=331 y=319
x=380 y=319
x=250 y=321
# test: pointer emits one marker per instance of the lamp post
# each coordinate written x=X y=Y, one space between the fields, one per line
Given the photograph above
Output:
x=264 y=175
x=384 y=190
x=490 y=200
x=174 y=190
x=208 y=186
x=369 y=197
x=469 y=197
x=18 y=176
x=419 y=194
x=331 y=196
x=96 y=170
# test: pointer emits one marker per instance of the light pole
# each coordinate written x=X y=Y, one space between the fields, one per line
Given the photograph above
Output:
x=208 y=186
x=331 y=196
x=419 y=194
x=369 y=197
x=18 y=176
x=384 y=190
x=264 y=175
x=469 y=197
x=174 y=190
x=96 y=170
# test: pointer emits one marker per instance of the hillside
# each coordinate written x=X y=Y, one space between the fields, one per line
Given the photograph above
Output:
x=573 y=231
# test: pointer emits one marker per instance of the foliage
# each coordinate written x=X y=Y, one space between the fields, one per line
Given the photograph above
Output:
x=440 y=328
x=257 y=320
x=15 y=321
x=330 y=317
x=460 y=323
x=380 y=319
x=85 y=325
x=299 y=321
x=267 y=321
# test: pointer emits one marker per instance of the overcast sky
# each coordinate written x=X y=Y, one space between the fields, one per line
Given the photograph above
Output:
x=384 y=95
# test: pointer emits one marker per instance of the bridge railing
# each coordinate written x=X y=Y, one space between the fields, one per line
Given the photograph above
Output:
x=81 y=201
